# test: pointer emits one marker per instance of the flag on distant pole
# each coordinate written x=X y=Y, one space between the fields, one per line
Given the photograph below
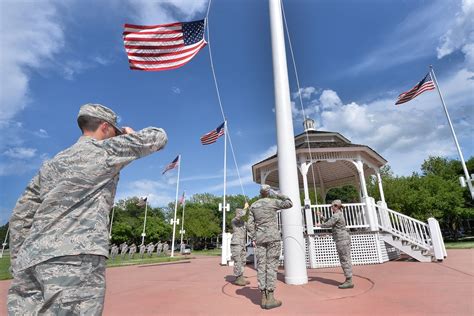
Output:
x=182 y=198
x=172 y=165
x=163 y=47
x=213 y=135
x=422 y=86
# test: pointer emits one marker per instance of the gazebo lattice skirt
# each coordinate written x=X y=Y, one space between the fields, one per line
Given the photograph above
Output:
x=366 y=248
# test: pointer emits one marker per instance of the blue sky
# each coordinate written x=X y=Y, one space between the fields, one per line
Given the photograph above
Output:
x=353 y=59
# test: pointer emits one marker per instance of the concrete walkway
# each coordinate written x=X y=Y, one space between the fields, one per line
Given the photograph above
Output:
x=202 y=287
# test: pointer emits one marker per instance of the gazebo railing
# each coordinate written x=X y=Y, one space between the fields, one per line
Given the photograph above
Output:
x=354 y=214
x=400 y=225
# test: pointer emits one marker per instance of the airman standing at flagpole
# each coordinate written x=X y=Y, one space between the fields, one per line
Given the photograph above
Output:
x=60 y=225
x=237 y=245
x=264 y=232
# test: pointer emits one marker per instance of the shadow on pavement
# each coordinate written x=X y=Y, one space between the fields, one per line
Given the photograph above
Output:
x=253 y=294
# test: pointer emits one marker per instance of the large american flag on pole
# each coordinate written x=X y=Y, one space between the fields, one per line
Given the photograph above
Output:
x=213 y=135
x=163 y=47
x=172 y=165
x=422 y=86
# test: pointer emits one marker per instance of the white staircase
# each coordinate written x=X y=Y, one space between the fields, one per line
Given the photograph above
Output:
x=419 y=240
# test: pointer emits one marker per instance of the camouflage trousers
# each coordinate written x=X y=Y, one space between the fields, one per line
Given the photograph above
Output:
x=239 y=255
x=268 y=260
x=343 y=248
x=68 y=285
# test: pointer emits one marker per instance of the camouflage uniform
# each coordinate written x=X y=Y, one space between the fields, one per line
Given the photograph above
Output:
x=59 y=227
x=150 y=249
x=166 y=247
x=263 y=229
x=142 y=250
x=132 y=250
x=237 y=244
x=123 y=249
x=342 y=239
x=159 y=248
x=113 y=251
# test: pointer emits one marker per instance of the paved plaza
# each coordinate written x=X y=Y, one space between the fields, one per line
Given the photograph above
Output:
x=201 y=286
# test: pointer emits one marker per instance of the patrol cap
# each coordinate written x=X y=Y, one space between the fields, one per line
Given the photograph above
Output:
x=101 y=112
x=265 y=188
x=337 y=203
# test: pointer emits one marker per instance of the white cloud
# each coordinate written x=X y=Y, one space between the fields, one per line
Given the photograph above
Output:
x=461 y=35
x=33 y=35
x=166 y=11
x=306 y=93
x=176 y=90
x=20 y=153
x=41 y=133
x=157 y=192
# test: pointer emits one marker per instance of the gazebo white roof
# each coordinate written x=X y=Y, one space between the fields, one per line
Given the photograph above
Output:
x=332 y=159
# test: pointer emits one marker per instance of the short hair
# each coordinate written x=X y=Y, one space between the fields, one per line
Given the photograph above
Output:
x=89 y=123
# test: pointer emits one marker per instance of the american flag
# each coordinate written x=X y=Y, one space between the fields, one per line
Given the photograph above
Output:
x=172 y=165
x=182 y=198
x=422 y=86
x=213 y=135
x=163 y=47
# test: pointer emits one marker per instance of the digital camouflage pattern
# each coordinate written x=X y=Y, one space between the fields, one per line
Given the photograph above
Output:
x=268 y=260
x=263 y=229
x=69 y=285
x=237 y=243
x=65 y=208
x=342 y=239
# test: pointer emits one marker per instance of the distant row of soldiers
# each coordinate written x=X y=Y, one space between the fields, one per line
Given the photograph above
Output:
x=123 y=248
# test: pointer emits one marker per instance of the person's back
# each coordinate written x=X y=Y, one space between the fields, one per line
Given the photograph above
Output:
x=264 y=218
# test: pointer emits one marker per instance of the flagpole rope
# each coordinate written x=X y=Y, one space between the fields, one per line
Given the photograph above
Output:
x=301 y=100
x=219 y=99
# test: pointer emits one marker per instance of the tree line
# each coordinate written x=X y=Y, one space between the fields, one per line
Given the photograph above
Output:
x=433 y=192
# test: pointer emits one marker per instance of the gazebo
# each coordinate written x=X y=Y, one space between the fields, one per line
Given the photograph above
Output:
x=327 y=160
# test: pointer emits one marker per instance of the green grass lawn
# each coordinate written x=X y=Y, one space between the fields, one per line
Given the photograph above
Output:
x=459 y=244
x=207 y=252
x=118 y=262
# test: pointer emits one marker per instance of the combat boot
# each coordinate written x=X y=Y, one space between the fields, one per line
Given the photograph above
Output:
x=271 y=301
x=263 y=304
x=241 y=281
x=347 y=284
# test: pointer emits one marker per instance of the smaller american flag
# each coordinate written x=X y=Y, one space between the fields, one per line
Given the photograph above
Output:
x=182 y=198
x=422 y=86
x=213 y=135
x=172 y=165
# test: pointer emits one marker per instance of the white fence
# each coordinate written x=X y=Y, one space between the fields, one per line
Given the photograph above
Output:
x=354 y=214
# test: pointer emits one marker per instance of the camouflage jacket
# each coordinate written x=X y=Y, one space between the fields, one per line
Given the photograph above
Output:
x=65 y=208
x=338 y=225
x=263 y=222
x=238 y=232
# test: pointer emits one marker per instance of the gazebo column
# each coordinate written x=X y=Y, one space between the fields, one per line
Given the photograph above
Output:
x=304 y=167
x=379 y=181
x=366 y=199
x=384 y=217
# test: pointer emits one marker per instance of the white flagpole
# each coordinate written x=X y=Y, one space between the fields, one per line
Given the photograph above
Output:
x=111 y=223
x=175 y=208
x=293 y=240
x=5 y=242
x=182 y=220
x=144 y=221
x=224 y=206
x=466 y=172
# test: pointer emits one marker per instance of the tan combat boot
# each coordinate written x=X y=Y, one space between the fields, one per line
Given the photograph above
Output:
x=271 y=301
x=347 y=284
x=241 y=281
x=263 y=304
